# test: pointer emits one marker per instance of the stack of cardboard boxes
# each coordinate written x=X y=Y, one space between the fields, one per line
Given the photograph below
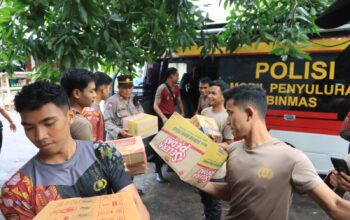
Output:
x=134 y=154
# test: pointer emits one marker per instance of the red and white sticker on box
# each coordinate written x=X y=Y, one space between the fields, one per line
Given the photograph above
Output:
x=203 y=175
x=176 y=148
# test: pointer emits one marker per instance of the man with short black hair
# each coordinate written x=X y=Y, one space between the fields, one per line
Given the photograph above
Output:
x=93 y=113
x=217 y=111
x=63 y=167
x=203 y=101
x=80 y=88
x=262 y=172
x=167 y=98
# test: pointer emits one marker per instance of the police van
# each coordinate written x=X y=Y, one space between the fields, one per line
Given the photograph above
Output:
x=307 y=100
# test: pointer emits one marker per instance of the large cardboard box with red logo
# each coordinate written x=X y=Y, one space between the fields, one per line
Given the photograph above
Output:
x=190 y=152
x=116 y=206
x=142 y=124
x=134 y=154
x=207 y=125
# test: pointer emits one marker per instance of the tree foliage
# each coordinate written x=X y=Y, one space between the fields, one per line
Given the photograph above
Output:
x=120 y=34
x=94 y=33
x=286 y=23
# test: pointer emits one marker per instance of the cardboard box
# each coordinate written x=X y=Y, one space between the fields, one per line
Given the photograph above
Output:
x=191 y=153
x=134 y=154
x=142 y=124
x=207 y=125
x=118 y=206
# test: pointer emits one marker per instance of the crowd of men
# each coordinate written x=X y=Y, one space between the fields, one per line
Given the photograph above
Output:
x=69 y=128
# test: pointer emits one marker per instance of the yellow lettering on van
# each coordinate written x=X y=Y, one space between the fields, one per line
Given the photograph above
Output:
x=312 y=102
x=339 y=90
x=282 y=74
x=307 y=70
x=319 y=67
x=292 y=73
x=331 y=70
x=234 y=84
x=273 y=86
x=347 y=91
x=261 y=68
x=292 y=101
x=270 y=100
x=282 y=88
x=302 y=102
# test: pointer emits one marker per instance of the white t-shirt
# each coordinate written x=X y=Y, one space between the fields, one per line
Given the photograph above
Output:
x=226 y=133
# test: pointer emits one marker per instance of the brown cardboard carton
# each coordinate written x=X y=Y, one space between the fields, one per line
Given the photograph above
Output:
x=134 y=154
x=191 y=153
x=142 y=124
x=118 y=206
x=207 y=125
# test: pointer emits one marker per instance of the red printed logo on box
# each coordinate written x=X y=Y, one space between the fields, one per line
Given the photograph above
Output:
x=203 y=174
x=174 y=147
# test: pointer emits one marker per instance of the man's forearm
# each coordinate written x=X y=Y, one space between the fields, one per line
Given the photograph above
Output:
x=217 y=190
x=335 y=206
x=8 y=118
x=181 y=106
x=112 y=129
x=341 y=210
x=159 y=112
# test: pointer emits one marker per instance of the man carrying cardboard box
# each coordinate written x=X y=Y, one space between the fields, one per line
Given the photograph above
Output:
x=262 y=172
x=63 y=167
x=193 y=155
x=119 y=106
x=217 y=111
x=167 y=98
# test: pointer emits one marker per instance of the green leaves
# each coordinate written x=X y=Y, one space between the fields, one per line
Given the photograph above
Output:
x=117 y=35
x=285 y=23
x=112 y=35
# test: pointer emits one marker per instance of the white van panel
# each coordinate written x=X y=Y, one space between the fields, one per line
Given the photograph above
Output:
x=318 y=147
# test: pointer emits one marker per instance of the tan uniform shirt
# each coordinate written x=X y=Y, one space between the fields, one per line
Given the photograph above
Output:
x=81 y=128
x=226 y=133
x=116 y=108
x=203 y=103
x=261 y=180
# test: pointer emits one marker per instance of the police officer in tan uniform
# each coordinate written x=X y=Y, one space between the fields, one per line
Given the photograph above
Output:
x=119 y=106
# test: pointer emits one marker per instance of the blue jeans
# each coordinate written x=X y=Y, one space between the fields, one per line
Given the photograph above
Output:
x=212 y=206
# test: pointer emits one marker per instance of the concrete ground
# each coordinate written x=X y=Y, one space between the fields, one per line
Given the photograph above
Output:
x=175 y=200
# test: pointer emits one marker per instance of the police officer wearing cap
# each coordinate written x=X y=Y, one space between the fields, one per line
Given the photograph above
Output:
x=118 y=106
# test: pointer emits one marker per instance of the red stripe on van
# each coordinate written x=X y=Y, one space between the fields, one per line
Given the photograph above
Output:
x=315 y=126
x=301 y=114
